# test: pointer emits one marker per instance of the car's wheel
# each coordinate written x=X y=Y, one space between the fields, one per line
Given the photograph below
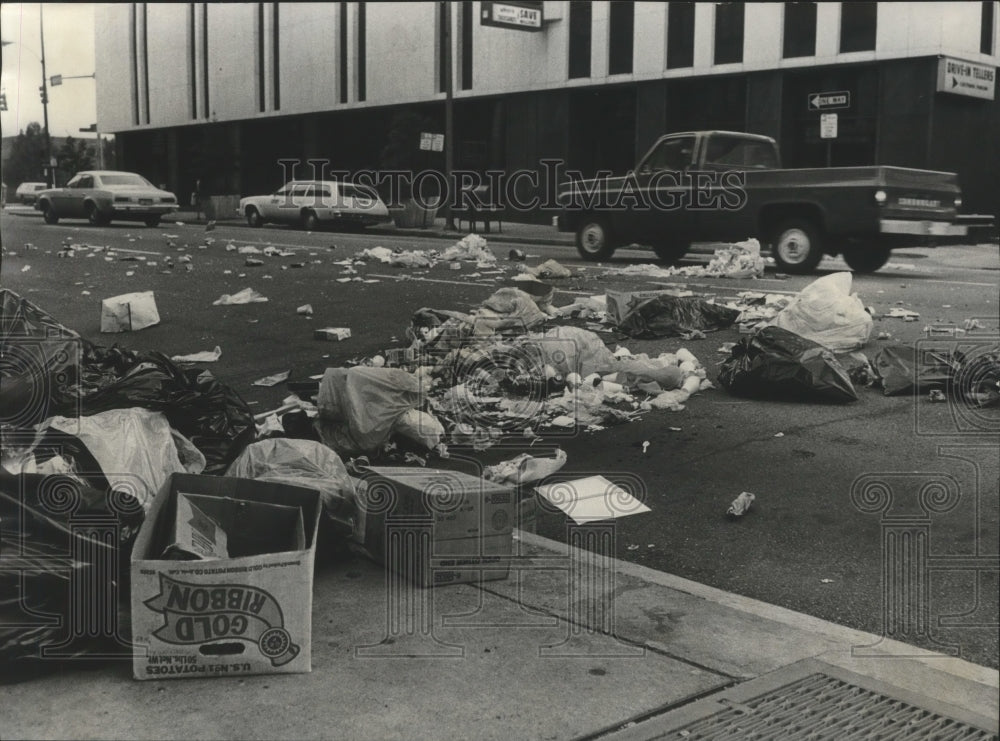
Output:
x=95 y=217
x=49 y=214
x=253 y=218
x=152 y=221
x=670 y=253
x=797 y=246
x=309 y=221
x=866 y=258
x=594 y=239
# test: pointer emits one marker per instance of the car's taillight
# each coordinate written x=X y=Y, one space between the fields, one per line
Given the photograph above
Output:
x=958 y=201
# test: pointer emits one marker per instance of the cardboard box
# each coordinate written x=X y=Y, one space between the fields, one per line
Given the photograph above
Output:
x=249 y=613
x=436 y=527
x=334 y=334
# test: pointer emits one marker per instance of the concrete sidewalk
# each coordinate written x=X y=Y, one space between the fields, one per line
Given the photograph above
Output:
x=571 y=645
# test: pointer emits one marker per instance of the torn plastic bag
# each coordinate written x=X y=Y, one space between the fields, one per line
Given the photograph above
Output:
x=359 y=406
x=902 y=369
x=525 y=469
x=301 y=463
x=826 y=312
x=56 y=537
x=573 y=350
x=670 y=316
x=776 y=363
x=978 y=380
x=509 y=308
x=135 y=449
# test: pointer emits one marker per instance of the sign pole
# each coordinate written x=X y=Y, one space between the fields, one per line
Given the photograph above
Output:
x=829 y=152
x=449 y=121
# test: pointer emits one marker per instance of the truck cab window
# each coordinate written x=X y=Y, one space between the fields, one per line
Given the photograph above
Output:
x=672 y=154
x=733 y=152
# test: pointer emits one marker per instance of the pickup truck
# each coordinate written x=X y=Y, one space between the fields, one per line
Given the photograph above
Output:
x=707 y=186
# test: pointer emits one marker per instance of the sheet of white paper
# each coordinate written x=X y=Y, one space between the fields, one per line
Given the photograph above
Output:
x=592 y=499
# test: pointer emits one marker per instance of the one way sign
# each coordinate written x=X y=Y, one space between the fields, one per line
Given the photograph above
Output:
x=829 y=101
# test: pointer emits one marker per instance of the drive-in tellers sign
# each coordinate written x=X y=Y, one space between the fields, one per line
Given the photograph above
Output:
x=966 y=78
x=525 y=16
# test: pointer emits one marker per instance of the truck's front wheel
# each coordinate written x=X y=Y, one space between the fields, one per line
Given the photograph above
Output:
x=866 y=258
x=593 y=239
x=796 y=246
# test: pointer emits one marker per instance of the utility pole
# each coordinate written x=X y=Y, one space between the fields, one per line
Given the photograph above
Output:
x=449 y=122
x=50 y=172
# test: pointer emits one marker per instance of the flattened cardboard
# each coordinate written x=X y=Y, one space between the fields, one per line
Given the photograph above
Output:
x=249 y=613
x=196 y=536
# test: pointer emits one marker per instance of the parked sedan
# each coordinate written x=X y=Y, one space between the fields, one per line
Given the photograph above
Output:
x=310 y=203
x=102 y=195
x=27 y=193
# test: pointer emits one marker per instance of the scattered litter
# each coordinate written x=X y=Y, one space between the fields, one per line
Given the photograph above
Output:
x=253 y=262
x=826 y=581
x=26 y=268
x=897 y=313
x=779 y=434
x=305 y=310
x=901 y=369
x=207 y=356
x=645 y=446
x=550 y=269
x=516 y=255
x=971 y=324
x=246 y=296
x=741 y=504
x=937 y=395
x=525 y=469
x=272 y=380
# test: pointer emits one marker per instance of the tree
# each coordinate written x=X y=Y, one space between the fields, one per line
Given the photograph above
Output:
x=27 y=157
x=73 y=156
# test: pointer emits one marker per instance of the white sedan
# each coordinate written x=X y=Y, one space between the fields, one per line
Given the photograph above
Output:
x=310 y=203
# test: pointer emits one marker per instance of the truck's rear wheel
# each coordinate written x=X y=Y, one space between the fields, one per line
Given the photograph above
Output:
x=593 y=239
x=797 y=246
x=671 y=253
x=866 y=258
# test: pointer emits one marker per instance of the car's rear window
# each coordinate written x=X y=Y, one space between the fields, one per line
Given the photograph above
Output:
x=125 y=179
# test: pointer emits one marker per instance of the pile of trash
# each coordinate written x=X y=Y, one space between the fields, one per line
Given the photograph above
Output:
x=472 y=248
x=739 y=260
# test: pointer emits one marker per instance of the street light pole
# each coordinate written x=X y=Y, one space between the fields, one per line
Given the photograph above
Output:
x=50 y=177
x=449 y=117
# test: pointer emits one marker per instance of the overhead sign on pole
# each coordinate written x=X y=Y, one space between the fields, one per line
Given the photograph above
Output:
x=55 y=80
x=829 y=101
x=966 y=78
x=523 y=16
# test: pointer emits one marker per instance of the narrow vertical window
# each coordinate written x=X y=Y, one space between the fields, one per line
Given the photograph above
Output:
x=467 y=16
x=192 y=61
x=800 y=30
x=621 y=33
x=362 y=51
x=260 y=58
x=343 y=52
x=442 y=41
x=145 y=59
x=680 y=35
x=986 y=32
x=276 y=64
x=728 y=33
x=204 y=58
x=133 y=43
x=858 y=23
x=580 y=25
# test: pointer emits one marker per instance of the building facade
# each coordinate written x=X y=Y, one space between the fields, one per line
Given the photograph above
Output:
x=227 y=90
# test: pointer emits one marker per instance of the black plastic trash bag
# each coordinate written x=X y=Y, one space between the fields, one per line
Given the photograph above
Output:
x=978 y=380
x=64 y=550
x=213 y=416
x=776 y=363
x=671 y=316
x=903 y=369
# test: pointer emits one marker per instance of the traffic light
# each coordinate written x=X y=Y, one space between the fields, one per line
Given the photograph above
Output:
x=3 y=101
x=45 y=97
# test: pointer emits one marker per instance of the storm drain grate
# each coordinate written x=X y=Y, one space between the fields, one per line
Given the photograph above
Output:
x=823 y=707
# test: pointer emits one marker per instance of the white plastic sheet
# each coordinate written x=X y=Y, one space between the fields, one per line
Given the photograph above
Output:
x=828 y=313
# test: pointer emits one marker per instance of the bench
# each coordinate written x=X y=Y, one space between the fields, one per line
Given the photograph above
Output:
x=478 y=205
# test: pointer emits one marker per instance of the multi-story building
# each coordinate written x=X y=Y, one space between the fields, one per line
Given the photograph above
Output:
x=226 y=90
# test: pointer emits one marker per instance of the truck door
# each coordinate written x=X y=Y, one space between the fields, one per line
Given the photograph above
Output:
x=726 y=184
x=663 y=178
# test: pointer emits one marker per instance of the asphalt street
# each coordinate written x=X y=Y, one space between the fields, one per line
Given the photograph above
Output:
x=806 y=544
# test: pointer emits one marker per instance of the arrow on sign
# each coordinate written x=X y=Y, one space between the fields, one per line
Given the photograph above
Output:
x=954 y=81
